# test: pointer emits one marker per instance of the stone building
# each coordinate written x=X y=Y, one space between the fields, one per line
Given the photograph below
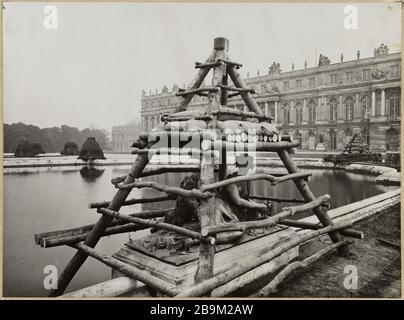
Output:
x=325 y=104
x=123 y=136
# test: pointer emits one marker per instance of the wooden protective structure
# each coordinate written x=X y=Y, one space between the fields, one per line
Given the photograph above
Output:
x=91 y=151
x=214 y=139
x=356 y=150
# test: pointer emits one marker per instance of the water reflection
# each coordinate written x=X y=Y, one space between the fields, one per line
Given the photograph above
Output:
x=91 y=174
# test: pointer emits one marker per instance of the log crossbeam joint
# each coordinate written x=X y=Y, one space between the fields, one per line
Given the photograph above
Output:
x=203 y=90
x=234 y=89
x=269 y=222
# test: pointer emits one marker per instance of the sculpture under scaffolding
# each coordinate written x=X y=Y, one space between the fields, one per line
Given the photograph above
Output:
x=356 y=150
x=210 y=135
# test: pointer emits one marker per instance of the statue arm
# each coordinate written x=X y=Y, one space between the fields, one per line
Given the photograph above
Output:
x=236 y=199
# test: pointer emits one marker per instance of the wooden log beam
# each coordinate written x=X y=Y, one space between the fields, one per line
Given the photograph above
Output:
x=217 y=63
x=199 y=65
x=253 y=177
x=309 y=196
x=246 y=278
x=104 y=222
x=231 y=63
x=148 y=214
x=161 y=170
x=73 y=239
x=105 y=204
x=389 y=243
x=275 y=199
x=228 y=111
x=257 y=146
x=232 y=95
x=169 y=151
x=207 y=206
x=271 y=221
x=224 y=94
x=129 y=271
x=170 y=169
x=139 y=143
x=246 y=96
x=172 y=118
x=182 y=93
x=315 y=226
x=317 y=202
x=219 y=280
x=155 y=224
x=234 y=89
x=271 y=287
x=222 y=165
x=60 y=233
x=194 y=193
x=206 y=216
x=107 y=289
x=179 y=137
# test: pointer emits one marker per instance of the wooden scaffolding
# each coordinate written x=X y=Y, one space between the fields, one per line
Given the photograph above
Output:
x=85 y=238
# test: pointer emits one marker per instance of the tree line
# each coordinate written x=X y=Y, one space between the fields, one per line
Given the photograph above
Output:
x=51 y=139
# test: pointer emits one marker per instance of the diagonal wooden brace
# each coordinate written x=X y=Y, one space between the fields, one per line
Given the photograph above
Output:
x=309 y=196
x=102 y=224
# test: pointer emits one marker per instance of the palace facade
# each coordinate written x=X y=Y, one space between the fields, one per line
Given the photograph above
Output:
x=124 y=136
x=323 y=105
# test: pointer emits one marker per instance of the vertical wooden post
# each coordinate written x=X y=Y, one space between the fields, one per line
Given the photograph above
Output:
x=207 y=206
x=224 y=96
x=246 y=96
x=206 y=217
x=309 y=196
x=80 y=257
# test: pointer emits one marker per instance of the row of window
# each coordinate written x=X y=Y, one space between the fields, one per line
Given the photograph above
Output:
x=392 y=138
x=312 y=110
x=334 y=78
x=392 y=111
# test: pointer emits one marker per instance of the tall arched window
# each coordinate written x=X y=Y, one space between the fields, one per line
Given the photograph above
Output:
x=333 y=139
x=299 y=113
x=333 y=109
x=366 y=107
x=286 y=114
x=394 y=105
x=392 y=139
x=349 y=106
x=312 y=111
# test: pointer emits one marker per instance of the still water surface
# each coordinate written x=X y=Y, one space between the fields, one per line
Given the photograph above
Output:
x=45 y=199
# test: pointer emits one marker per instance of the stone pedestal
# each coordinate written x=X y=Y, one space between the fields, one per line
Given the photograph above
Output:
x=179 y=268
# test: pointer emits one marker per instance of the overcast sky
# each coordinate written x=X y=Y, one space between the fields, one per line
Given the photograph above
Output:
x=91 y=70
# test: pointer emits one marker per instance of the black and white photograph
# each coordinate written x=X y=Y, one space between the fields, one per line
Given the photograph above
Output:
x=209 y=150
